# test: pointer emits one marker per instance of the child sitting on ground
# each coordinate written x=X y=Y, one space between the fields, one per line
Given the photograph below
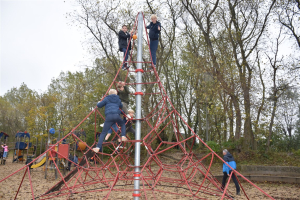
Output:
x=112 y=105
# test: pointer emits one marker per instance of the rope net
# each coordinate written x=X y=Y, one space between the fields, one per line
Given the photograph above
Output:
x=110 y=174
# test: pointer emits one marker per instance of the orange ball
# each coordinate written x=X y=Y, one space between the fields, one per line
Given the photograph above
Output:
x=134 y=37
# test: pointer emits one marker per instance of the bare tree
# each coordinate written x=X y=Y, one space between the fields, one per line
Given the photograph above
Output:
x=288 y=12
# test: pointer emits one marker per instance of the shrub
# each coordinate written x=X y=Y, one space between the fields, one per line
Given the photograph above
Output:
x=229 y=145
x=297 y=152
x=214 y=146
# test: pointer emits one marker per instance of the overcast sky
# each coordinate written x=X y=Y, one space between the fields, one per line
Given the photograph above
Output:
x=37 y=43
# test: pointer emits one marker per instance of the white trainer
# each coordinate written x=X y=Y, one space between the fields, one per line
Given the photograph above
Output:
x=96 y=150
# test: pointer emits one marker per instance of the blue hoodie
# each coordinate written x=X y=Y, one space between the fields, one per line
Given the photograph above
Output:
x=112 y=104
x=228 y=158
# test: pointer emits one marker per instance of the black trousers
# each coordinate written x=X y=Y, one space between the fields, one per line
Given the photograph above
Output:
x=225 y=176
x=69 y=165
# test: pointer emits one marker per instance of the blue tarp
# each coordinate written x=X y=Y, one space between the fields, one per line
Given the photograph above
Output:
x=22 y=134
x=22 y=145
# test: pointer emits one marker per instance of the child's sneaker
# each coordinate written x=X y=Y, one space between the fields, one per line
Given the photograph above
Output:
x=125 y=66
x=120 y=146
x=96 y=150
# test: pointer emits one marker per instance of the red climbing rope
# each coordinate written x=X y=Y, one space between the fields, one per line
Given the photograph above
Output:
x=112 y=171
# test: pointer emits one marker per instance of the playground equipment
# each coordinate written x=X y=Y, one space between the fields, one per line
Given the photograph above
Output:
x=40 y=162
x=55 y=158
x=22 y=144
x=3 y=137
x=188 y=178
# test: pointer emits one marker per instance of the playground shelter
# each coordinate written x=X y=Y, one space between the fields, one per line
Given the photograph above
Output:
x=22 y=144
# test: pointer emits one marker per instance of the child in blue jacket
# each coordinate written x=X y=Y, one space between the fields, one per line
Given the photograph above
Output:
x=112 y=105
x=228 y=158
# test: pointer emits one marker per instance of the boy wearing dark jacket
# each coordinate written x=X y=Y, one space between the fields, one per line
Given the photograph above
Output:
x=154 y=32
x=123 y=93
x=124 y=38
x=112 y=105
x=228 y=158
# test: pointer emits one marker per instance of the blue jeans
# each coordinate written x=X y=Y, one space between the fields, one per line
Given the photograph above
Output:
x=153 y=49
x=115 y=127
x=126 y=56
x=5 y=154
x=109 y=121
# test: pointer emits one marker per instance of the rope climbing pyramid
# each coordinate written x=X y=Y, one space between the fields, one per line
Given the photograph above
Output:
x=141 y=169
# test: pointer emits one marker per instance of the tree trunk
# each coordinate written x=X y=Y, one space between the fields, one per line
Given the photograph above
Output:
x=271 y=123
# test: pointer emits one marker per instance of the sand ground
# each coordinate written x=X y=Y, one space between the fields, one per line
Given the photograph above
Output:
x=40 y=185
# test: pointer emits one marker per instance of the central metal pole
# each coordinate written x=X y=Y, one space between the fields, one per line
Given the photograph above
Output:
x=138 y=101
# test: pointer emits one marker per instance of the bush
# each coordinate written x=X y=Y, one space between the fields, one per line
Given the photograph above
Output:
x=297 y=153
x=229 y=145
x=214 y=146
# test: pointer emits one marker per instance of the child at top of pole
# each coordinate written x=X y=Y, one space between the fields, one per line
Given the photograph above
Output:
x=124 y=38
x=112 y=104
x=154 y=32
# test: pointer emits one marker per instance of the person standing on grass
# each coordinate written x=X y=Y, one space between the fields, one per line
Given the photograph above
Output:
x=228 y=158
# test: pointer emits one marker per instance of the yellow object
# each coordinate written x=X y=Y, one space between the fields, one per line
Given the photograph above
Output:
x=39 y=164
x=81 y=146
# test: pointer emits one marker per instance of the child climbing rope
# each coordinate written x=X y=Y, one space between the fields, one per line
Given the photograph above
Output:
x=112 y=105
x=113 y=127
x=124 y=37
x=128 y=122
x=123 y=93
x=154 y=32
